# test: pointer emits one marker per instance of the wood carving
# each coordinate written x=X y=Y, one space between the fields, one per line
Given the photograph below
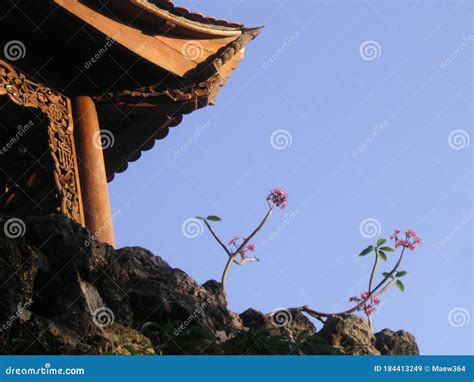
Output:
x=60 y=131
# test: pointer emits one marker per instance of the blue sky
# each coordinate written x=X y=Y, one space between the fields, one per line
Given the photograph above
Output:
x=348 y=69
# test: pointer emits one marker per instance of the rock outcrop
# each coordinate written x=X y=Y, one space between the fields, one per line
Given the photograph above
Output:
x=389 y=342
x=351 y=335
x=64 y=293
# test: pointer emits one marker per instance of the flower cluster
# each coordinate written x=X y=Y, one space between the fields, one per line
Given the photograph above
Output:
x=410 y=241
x=249 y=248
x=278 y=197
x=369 y=306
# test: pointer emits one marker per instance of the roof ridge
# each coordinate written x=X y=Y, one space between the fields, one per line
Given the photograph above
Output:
x=183 y=12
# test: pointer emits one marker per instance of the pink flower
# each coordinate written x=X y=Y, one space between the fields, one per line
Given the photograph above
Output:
x=368 y=309
x=251 y=247
x=395 y=234
x=242 y=254
x=234 y=240
x=278 y=197
x=369 y=306
x=410 y=241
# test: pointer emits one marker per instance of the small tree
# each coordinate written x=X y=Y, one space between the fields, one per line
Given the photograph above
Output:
x=368 y=300
x=239 y=248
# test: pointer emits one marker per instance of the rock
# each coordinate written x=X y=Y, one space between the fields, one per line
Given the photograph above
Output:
x=158 y=293
x=60 y=338
x=283 y=321
x=19 y=264
x=74 y=280
x=252 y=318
x=350 y=334
x=300 y=324
x=389 y=342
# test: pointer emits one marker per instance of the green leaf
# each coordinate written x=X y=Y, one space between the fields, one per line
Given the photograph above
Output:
x=387 y=249
x=380 y=242
x=401 y=273
x=400 y=285
x=213 y=218
x=200 y=218
x=382 y=255
x=385 y=274
x=366 y=251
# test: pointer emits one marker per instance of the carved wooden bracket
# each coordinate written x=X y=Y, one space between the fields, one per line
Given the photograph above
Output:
x=61 y=139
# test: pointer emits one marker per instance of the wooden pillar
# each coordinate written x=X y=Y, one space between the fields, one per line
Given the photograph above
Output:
x=90 y=158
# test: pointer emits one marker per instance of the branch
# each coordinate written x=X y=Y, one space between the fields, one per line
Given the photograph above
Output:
x=226 y=271
x=372 y=274
x=386 y=288
x=373 y=270
x=255 y=231
x=229 y=253
x=245 y=261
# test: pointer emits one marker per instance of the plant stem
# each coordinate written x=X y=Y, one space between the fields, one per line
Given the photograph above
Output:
x=245 y=261
x=255 y=231
x=373 y=270
x=372 y=274
x=386 y=287
x=230 y=260
x=229 y=253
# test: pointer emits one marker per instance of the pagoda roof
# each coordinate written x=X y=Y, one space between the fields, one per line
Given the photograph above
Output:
x=146 y=63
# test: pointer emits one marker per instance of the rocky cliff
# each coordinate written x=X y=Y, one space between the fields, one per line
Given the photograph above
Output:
x=62 y=292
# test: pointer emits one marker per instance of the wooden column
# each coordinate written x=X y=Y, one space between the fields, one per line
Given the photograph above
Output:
x=95 y=195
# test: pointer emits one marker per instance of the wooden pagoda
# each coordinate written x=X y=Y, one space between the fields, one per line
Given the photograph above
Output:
x=86 y=86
